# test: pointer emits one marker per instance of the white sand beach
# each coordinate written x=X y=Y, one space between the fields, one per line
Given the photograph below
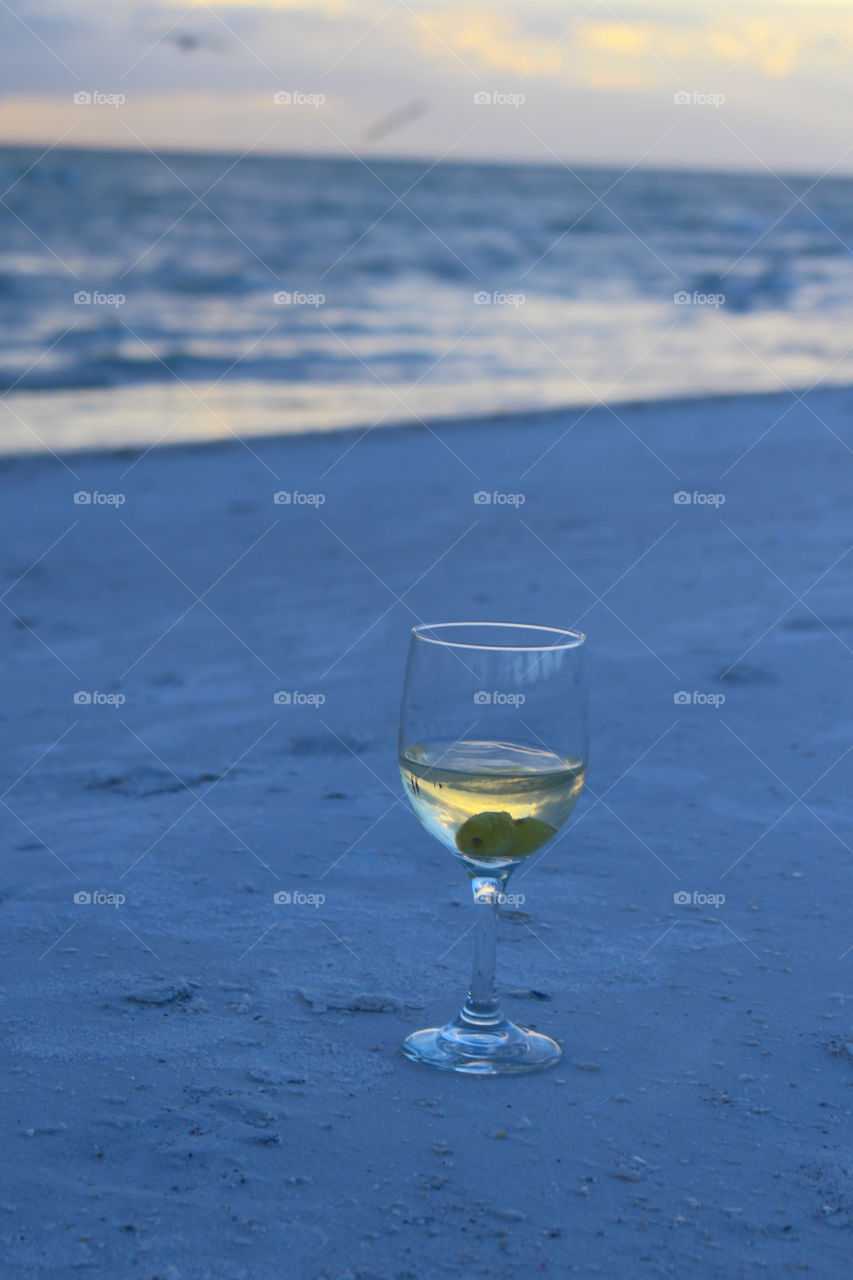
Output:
x=200 y=1083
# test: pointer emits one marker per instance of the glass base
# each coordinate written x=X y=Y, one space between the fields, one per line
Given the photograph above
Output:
x=503 y=1049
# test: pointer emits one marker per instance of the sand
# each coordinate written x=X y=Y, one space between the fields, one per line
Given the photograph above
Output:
x=201 y=1082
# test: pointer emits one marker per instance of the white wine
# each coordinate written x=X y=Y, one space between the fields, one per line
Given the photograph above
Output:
x=491 y=802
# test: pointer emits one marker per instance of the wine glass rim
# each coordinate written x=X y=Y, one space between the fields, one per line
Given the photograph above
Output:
x=569 y=639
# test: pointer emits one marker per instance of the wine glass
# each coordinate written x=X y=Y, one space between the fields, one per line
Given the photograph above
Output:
x=493 y=756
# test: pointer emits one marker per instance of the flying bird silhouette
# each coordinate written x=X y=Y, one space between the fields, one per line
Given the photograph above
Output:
x=396 y=120
x=189 y=42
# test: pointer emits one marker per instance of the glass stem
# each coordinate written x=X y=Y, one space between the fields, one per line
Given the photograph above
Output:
x=481 y=1008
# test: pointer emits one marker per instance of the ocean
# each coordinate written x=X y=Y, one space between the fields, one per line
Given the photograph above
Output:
x=155 y=299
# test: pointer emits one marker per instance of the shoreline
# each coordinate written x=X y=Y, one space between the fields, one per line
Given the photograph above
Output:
x=454 y=422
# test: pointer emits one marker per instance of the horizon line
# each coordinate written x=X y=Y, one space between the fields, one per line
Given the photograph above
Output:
x=448 y=162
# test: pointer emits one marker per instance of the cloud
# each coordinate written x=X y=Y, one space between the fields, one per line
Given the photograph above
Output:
x=492 y=41
x=773 y=49
x=644 y=52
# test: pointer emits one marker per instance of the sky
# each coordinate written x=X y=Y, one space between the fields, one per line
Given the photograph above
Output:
x=755 y=85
